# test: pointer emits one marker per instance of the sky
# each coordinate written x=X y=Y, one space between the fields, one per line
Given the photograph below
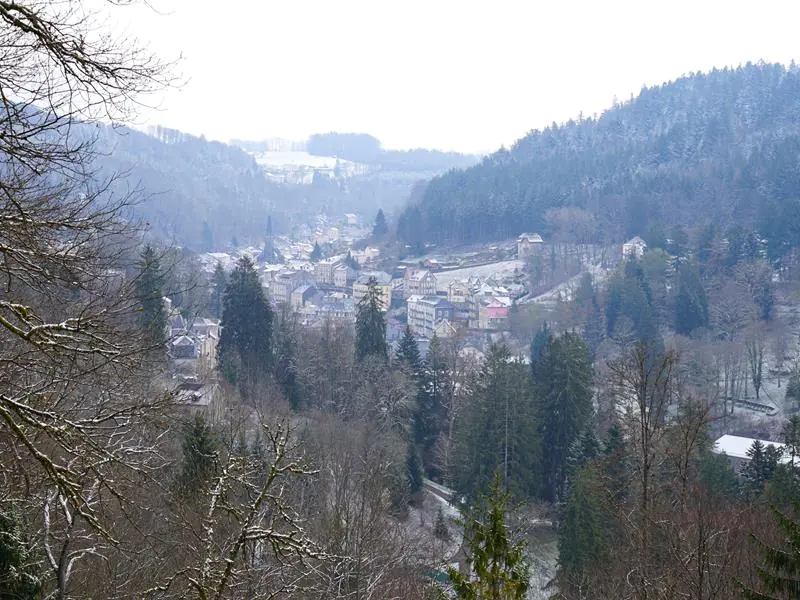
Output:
x=466 y=75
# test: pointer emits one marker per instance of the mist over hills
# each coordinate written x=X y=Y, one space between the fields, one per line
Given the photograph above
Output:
x=187 y=181
x=719 y=147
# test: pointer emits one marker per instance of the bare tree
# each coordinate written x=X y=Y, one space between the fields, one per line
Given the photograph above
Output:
x=644 y=384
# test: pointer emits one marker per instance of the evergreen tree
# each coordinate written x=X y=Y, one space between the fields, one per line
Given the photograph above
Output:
x=407 y=353
x=18 y=577
x=200 y=449
x=351 y=262
x=764 y=460
x=500 y=565
x=496 y=430
x=429 y=415
x=371 y=324
x=440 y=530
x=286 y=367
x=219 y=281
x=562 y=380
x=150 y=296
x=779 y=573
x=691 y=305
x=585 y=535
x=380 y=228
x=414 y=471
x=316 y=253
x=245 y=346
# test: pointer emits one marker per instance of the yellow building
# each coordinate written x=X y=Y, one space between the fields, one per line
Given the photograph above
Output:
x=384 y=281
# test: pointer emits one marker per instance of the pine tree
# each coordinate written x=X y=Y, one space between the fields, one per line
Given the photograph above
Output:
x=562 y=379
x=199 y=461
x=691 y=305
x=407 y=354
x=413 y=470
x=764 y=460
x=245 y=346
x=351 y=262
x=286 y=367
x=371 y=324
x=429 y=415
x=18 y=577
x=585 y=535
x=500 y=565
x=496 y=430
x=219 y=281
x=150 y=296
x=380 y=228
x=316 y=253
x=779 y=574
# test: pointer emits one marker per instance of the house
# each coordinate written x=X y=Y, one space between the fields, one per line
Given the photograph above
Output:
x=351 y=218
x=281 y=288
x=177 y=326
x=735 y=448
x=301 y=295
x=425 y=312
x=204 y=398
x=493 y=313
x=634 y=248
x=183 y=347
x=323 y=270
x=205 y=327
x=384 y=281
x=419 y=282
x=458 y=292
x=529 y=244
x=445 y=329
x=343 y=276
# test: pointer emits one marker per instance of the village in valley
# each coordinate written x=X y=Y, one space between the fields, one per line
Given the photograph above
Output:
x=475 y=297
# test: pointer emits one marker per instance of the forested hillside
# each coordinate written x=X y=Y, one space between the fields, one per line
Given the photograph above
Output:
x=721 y=147
x=186 y=181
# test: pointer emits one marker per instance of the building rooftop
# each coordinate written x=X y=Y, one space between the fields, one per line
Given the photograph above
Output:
x=382 y=277
x=737 y=446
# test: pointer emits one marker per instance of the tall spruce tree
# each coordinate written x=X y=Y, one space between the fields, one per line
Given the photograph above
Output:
x=150 y=296
x=407 y=354
x=199 y=460
x=219 y=281
x=562 y=383
x=316 y=253
x=380 y=228
x=691 y=305
x=371 y=324
x=500 y=565
x=245 y=346
x=496 y=429
x=429 y=415
x=286 y=367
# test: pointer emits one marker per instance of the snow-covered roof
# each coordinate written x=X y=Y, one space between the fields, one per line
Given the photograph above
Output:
x=737 y=446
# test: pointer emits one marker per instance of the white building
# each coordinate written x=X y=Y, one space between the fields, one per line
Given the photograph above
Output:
x=425 y=313
x=419 y=282
x=634 y=247
x=529 y=244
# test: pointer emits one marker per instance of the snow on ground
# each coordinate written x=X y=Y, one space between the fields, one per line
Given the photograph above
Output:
x=498 y=269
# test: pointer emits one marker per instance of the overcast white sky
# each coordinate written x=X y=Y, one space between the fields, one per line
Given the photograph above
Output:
x=450 y=74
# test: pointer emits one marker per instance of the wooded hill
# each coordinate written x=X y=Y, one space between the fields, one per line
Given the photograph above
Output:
x=718 y=147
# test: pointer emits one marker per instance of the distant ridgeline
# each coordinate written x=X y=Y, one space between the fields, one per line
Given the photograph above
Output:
x=364 y=148
x=721 y=148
